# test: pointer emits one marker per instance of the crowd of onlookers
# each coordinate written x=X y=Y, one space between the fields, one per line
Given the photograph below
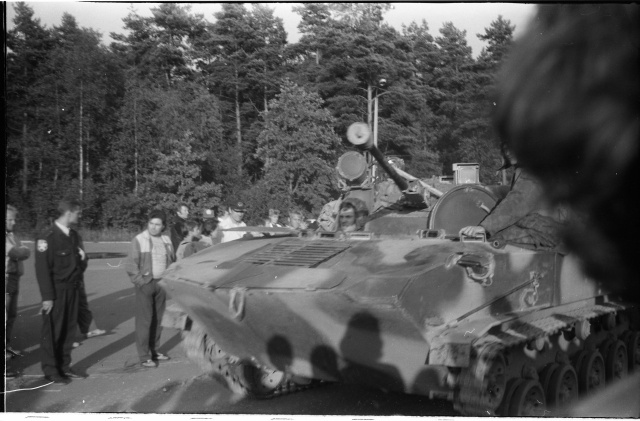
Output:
x=191 y=234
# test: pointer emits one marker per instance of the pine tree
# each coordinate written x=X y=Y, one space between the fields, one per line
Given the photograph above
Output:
x=478 y=140
x=28 y=46
x=451 y=78
x=299 y=148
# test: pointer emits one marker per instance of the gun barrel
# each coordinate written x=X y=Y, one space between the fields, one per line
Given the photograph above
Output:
x=360 y=135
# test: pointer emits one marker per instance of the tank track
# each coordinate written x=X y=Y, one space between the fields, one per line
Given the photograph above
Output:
x=521 y=333
x=286 y=386
x=201 y=349
x=239 y=376
x=485 y=389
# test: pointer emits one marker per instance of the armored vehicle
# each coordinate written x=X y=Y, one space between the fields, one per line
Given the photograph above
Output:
x=405 y=304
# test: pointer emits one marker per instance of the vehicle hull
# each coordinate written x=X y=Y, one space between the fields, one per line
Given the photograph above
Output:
x=371 y=312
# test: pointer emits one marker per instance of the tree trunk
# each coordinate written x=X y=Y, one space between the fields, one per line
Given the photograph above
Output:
x=375 y=121
x=81 y=166
x=86 y=165
x=266 y=107
x=369 y=105
x=40 y=151
x=25 y=158
x=220 y=113
x=135 y=143
x=57 y=137
x=238 y=125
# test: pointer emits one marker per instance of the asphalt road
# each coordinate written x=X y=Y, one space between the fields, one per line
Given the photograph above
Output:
x=117 y=384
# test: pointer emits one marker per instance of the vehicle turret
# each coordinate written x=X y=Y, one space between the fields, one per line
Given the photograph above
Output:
x=359 y=135
x=359 y=177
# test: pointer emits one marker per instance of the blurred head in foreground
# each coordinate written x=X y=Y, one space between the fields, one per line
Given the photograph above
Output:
x=568 y=107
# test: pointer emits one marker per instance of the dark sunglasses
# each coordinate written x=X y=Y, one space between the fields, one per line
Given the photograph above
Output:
x=239 y=210
x=347 y=216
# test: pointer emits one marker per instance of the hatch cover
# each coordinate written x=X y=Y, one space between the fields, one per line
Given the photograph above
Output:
x=299 y=253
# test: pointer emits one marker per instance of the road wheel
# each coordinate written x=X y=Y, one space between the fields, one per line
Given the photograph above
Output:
x=261 y=382
x=632 y=340
x=528 y=400
x=562 y=387
x=591 y=372
x=510 y=389
x=546 y=373
x=483 y=384
x=494 y=381
x=616 y=361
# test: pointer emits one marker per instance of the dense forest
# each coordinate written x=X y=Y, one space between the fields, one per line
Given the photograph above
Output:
x=182 y=109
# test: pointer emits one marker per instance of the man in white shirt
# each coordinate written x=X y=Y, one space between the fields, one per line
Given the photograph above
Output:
x=237 y=210
x=151 y=253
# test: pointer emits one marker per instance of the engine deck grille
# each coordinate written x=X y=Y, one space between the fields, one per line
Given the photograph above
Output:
x=298 y=253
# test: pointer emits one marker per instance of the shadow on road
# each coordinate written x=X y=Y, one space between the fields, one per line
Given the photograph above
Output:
x=94 y=359
x=119 y=306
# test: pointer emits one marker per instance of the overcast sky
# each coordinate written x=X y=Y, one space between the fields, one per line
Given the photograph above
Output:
x=473 y=17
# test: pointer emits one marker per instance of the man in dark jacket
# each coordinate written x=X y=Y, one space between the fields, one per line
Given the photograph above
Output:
x=60 y=265
x=178 y=224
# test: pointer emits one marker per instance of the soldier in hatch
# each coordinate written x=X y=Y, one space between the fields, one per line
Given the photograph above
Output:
x=522 y=218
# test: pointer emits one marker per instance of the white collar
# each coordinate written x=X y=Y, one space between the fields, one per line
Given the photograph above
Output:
x=63 y=228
